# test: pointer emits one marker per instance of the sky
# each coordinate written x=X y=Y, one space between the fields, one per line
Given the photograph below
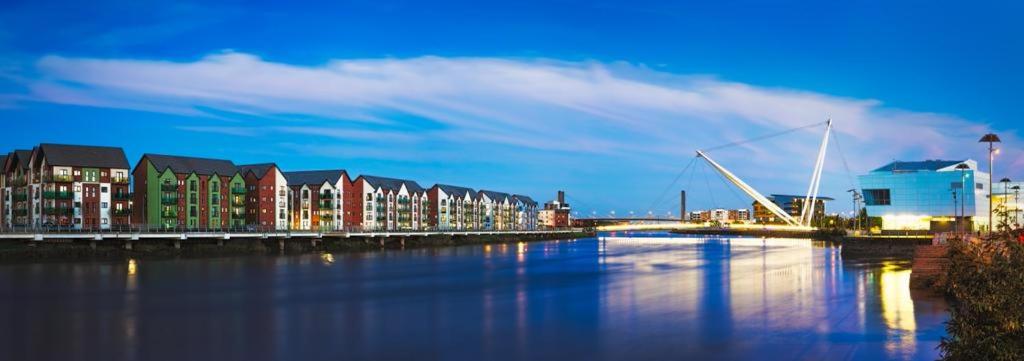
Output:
x=606 y=100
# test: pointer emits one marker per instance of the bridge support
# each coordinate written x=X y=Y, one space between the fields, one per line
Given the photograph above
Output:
x=177 y=244
x=92 y=244
x=220 y=242
x=128 y=245
x=402 y=240
x=381 y=240
x=280 y=245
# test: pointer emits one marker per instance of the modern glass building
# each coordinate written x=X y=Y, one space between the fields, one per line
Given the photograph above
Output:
x=927 y=196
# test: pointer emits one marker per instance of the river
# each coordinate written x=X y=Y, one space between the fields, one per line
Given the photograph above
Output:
x=615 y=297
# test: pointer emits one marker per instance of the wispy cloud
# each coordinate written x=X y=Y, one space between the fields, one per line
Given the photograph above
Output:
x=627 y=114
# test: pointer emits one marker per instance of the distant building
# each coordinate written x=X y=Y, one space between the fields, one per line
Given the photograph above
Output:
x=721 y=215
x=919 y=196
x=316 y=199
x=556 y=213
x=267 y=195
x=78 y=186
x=792 y=205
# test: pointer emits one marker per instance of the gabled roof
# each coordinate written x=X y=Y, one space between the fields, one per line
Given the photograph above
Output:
x=925 y=165
x=393 y=183
x=524 y=199
x=314 y=177
x=450 y=189
x=185 y=165
x=23 y=157
x=69 y=155
x=494 y=195
x=259 y=170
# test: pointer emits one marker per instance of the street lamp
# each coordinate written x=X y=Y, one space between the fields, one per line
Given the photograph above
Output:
x=856 y=212
x=991 y=139
x=963 y=167
x=1006 y=194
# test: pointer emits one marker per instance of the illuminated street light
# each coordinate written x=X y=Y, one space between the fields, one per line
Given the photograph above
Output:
x=991 y=139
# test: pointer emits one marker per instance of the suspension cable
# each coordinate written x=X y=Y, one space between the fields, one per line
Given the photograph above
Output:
x=839 y=149
x=763 y=137
x=661 y=198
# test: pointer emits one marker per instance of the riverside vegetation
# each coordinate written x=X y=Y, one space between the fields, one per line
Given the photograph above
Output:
x=985 y=287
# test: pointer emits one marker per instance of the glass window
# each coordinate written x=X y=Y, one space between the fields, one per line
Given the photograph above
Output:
x=877 y=197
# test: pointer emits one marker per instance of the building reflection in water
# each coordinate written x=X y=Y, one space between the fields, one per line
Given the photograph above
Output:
x=648 y=297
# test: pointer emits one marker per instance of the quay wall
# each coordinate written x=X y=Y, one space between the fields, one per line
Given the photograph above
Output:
x=79 y=249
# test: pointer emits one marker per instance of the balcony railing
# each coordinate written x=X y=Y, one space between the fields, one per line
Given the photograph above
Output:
x=58 y=195
x=168 y=200
x=121 y=212
x=18 y=182
x=20 y=212
x=326 y=203
x=237 y=202
x=62 y=178
x=19 y=197
x=237 y=190
x=169 y=187
x=122 y=196
x=58 y=211
x=326 y=196
x=119 y=180
x=169 y=214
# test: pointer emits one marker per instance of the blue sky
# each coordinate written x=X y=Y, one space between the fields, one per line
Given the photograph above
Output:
x=604 y=99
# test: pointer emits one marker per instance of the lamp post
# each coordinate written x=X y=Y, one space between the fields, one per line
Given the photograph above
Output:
x=856 y=204
x=955 y=218
x=1016 y=205
x=1006 y=194
x=991 y=139
x=963 y=167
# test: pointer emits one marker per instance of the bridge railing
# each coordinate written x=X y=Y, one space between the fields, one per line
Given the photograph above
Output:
x=265 y=230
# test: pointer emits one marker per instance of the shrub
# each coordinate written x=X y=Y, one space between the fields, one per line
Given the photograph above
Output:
x=985 y=286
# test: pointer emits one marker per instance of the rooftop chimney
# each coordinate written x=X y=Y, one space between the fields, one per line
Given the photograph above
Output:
x=561 y=197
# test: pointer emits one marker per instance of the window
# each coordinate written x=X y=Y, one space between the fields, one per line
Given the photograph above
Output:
x=193 y=186
x=103 y=205
x=877 y=197
x=979 y=186
x=103 y=190
x=956 y=185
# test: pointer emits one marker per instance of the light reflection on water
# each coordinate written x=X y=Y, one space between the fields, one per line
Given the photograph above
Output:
x=624 y=297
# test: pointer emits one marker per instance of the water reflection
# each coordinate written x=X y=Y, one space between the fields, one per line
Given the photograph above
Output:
x=626 y=297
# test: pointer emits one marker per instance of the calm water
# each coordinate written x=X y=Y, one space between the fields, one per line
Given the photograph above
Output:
x=641 y=296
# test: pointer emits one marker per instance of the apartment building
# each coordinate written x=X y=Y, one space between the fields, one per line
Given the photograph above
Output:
x=390 y=203
x=266 y=195
x=78 y=186
x=317 y=199
x=450 y=207
x=188 y=192
x=17 y=197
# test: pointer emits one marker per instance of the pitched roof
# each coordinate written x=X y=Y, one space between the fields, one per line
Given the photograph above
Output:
x=259 y=170
x=524 y=199
x=69 y=155
x=202 y=166
x=450 y=189
x=23 y=157
x=925 y=165
x=393 y=183
x=313 y=177
x=494 y=195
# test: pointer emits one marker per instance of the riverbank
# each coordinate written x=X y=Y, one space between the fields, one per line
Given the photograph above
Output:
x=31 y=251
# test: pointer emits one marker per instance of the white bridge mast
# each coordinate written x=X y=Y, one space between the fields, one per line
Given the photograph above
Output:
x=774 y=208
x=810 y=201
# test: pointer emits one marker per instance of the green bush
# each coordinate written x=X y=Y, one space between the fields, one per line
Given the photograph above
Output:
x=985 y=286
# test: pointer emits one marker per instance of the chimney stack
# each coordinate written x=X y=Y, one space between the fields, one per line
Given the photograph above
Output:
x=683 y=216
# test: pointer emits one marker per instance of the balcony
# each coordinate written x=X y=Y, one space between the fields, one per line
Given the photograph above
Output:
x=58 y=195
x=326 y=203
x=58 y=211
x=121 y=212
x=326 y=196
x=119 y=180
x=168 y=200
x=237 y=202
x=18 y=182
x=20 y=197
x=169 y=214
x=122 y=196
x=215 y=199
x=169 y=187
x=237 y=190
x=20 y=212
x=59 y=178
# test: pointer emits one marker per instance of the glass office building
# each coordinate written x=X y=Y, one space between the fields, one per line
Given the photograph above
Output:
x=927 y=196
